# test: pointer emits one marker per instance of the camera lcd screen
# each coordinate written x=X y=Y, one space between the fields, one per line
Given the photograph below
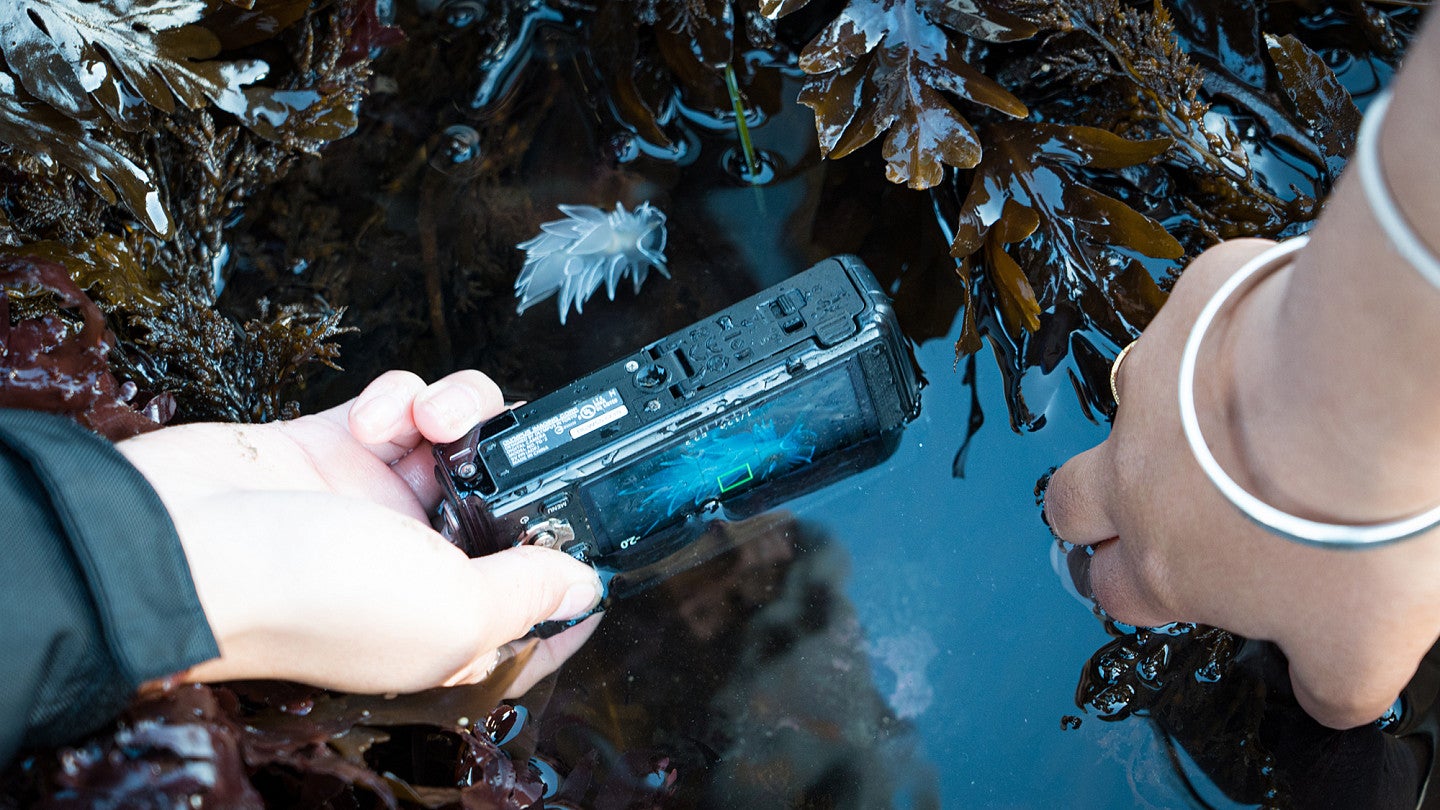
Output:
x=731 y=454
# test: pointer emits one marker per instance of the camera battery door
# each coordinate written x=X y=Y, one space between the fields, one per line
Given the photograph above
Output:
x=631 y=461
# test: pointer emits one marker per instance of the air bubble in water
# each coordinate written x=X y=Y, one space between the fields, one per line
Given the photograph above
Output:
x=463 y=13
x=459 y=145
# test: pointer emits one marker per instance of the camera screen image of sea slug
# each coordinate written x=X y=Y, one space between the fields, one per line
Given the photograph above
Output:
x=730 y=455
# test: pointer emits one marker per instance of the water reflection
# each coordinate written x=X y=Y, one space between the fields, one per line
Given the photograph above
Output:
x=754 y=677
x=1225 y=708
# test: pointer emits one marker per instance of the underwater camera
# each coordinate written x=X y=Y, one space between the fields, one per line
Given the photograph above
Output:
x=791 y=389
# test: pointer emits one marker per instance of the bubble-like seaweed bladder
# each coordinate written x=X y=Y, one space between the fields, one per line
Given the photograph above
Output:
x=572 y=256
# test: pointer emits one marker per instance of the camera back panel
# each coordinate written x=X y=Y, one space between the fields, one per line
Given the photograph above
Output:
x=624 y=463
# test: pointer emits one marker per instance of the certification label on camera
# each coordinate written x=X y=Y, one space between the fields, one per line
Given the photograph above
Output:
x=583 y=417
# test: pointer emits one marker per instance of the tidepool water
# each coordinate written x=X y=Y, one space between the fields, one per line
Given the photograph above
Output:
x=899 y=637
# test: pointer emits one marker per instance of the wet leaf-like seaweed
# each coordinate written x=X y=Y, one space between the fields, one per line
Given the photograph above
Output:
x=237 y=23
x=639 y=91
x=1213 y=694
x=1029 y=182
x=1317 y=98
x=884 y=66
x=83 y=75
x=698 y=39
x=74 y=54
x=39 y=129
x=106 y=269
x=1226 y=40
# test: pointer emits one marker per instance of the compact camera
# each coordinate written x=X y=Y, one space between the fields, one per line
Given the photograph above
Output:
x=784 y=392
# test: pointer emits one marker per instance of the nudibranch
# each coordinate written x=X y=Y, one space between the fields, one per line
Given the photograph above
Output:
x=572 y=256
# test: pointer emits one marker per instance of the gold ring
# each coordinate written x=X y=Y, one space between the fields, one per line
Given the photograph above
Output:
x=1115 y=371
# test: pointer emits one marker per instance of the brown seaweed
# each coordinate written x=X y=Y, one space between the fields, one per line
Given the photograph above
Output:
x=1143 y=48
x=698 y=39
x=100 y=65
x=883 y=66
x=1193 y=683
x=79 y=79
x=266 y=744
x=221 y=369
x=1318 y=99
x=1285 y=93
x=34 y=128
x=1028 y=183
x=106 y=269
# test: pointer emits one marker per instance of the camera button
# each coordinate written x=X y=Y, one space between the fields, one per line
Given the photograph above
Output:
x=787 y=304
x=835 y=330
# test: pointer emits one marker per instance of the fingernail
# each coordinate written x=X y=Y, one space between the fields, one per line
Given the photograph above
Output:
x=579 y=600
x=376 y=414
x=503 y=653
x=456 y=405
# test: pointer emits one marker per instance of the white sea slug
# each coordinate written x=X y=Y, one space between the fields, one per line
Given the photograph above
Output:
x=572 y=256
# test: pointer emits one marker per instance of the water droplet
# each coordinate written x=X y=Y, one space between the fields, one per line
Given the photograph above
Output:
x=1152 y=666
x=458 y=146
x=622 y=148
x=300 y=708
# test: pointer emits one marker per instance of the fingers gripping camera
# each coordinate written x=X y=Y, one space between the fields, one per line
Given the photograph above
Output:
x=793 y=388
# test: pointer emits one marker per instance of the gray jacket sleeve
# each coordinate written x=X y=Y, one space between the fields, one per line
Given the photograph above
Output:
x=95 y=593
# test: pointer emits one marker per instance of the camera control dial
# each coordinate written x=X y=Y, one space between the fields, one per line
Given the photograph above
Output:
x=553 y=533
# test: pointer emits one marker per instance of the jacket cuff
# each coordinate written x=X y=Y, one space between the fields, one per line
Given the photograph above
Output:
x=125 y=544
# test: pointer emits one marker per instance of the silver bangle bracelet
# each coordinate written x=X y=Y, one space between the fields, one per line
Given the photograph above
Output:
x=1406 y=243
x=1284 y=524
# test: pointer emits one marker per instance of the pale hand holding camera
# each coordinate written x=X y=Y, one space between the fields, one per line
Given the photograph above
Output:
x=312 y=553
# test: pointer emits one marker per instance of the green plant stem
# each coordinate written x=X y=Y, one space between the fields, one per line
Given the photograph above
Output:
x=741 y=127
